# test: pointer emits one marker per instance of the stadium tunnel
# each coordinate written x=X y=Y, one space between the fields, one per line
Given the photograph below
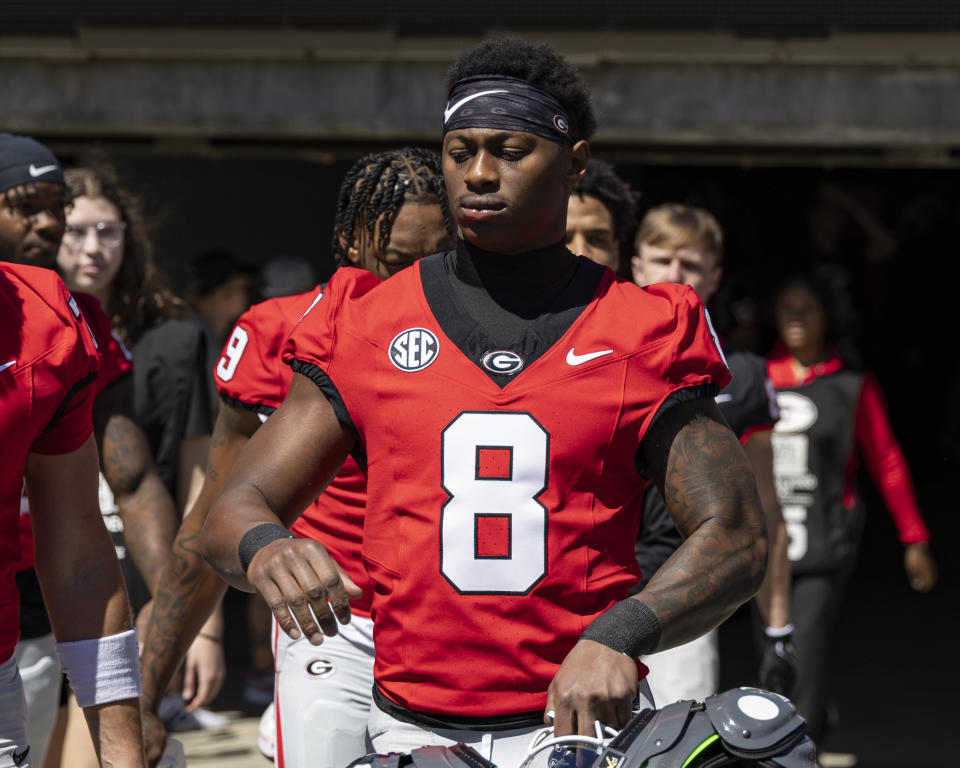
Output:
x=821 y=139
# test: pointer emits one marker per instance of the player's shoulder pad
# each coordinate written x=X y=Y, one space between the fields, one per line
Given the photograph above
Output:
x=658 y=306
x=284 y=311
x=348 y=284
x=39 y=287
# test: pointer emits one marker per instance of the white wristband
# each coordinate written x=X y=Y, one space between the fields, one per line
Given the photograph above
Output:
x=103 y=669
x=777 y=632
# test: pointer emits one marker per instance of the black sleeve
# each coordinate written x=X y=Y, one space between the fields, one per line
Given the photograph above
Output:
x=748 y=401
x=171 y=399
x=319 y=377
x=658 y=537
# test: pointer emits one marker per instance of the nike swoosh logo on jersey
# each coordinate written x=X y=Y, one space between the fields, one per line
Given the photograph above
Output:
x=7 y=365
x=575 y=359
x=34 y=171
x=449 y=111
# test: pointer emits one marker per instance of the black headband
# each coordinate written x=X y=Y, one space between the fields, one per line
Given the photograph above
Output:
x=508 y=103
x=24 y=160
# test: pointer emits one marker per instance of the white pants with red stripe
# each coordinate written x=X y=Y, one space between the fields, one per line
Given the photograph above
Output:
x=14 y=750
x=323 y=695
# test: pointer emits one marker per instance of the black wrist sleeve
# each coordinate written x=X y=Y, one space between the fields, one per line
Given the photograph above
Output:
x=629 y=627
x=257 y=538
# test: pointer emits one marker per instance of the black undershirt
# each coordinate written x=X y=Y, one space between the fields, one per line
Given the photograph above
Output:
x=504 y=294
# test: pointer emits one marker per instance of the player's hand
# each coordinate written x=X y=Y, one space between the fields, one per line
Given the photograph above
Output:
x=921 y=566
x=299 y=580
x=154 y=735
x=204 y=670
x=778 y=664
x=593 y=683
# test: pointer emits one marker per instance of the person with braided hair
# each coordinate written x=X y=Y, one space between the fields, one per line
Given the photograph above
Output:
x=392 y=211
x=382 y=183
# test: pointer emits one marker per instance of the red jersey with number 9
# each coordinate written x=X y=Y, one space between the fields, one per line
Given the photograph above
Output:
x=48 y=363
x=502 y=509
x=251 y=375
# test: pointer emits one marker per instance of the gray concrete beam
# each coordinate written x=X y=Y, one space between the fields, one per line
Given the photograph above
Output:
x=649 y=90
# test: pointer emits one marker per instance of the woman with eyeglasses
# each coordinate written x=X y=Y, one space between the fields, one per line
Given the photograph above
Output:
x=106 y=251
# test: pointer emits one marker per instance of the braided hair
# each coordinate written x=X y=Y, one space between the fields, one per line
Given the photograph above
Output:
x=375 y=189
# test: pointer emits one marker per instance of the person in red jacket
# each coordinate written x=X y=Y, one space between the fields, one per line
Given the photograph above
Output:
x=830 y=416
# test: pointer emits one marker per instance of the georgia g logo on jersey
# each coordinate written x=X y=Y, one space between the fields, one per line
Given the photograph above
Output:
x=413 y=349
x=502 y=361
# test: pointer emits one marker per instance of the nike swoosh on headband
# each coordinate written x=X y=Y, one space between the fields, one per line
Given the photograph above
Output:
x=450 y=110
x=34 y=171
x=574 y=359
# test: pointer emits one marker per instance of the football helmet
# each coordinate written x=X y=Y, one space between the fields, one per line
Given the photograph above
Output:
x=740 y=727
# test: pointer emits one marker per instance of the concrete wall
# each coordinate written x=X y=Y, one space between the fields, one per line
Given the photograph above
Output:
x=893 y=92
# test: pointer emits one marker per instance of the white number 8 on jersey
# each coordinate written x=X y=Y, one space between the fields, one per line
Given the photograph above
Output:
x=493 y=531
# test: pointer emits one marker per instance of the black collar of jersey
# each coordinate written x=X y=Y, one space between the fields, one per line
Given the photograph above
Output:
x=437 y=273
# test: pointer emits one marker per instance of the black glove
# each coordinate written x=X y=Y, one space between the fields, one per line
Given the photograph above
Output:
x=778 y=663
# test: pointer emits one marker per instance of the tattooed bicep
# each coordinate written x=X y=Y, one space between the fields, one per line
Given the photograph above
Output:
x=696 y=462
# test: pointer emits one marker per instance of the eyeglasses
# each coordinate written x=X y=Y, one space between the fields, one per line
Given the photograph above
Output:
x=109 y=234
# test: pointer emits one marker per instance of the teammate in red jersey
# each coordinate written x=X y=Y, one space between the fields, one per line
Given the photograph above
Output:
x=831 y=415
x=32 y=234
x=46 y=391
x=391 y=212
x=507 y=400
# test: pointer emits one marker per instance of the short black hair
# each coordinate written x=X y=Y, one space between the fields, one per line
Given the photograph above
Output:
x=378 y=185
x=540 y=65
x=601 y=181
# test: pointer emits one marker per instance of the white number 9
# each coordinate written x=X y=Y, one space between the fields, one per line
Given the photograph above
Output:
x=232 y=353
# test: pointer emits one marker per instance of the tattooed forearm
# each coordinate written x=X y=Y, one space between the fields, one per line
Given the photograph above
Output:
x=711 y=494
x=189 y=590
x=187 y=594
x=146 y=508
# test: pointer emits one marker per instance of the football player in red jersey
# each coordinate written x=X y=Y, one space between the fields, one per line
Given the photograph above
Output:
x=46 y=392
x=507 y=401
x=30 y=233
x=391 y=212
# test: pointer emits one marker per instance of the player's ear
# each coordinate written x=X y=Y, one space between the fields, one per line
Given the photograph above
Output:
x=351 y=249
x=636 y=269
x=579 y=157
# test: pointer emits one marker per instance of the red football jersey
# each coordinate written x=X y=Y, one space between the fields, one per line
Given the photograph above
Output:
x=251 y=374
x=47 y=363
x=501 y=518
x=115 y=362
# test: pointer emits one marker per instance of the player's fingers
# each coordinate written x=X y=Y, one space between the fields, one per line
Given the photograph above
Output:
x=274 y=598
x=299 y=601
x=335 y=596
x=314 y=589
x=353 y=591
x=564 y=718
x=189 y=682
x=329 y=595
